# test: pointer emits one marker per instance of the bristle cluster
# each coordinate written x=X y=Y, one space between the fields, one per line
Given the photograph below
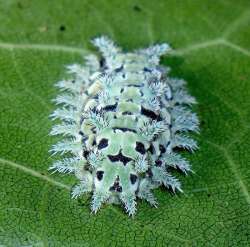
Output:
x=122 y=117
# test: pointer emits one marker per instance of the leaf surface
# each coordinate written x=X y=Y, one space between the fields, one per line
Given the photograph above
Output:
x=212 y=53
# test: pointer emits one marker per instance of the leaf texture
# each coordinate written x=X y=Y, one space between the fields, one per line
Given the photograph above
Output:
x=211 y=52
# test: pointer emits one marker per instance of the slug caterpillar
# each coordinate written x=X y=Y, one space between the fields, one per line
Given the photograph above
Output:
x=122 y=117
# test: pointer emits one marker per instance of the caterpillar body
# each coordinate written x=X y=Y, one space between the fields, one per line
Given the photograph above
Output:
x=122 y=117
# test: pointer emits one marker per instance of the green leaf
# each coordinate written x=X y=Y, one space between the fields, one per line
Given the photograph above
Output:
x=212 y=53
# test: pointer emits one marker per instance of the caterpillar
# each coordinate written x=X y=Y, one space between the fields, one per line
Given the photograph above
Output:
x=123 y=119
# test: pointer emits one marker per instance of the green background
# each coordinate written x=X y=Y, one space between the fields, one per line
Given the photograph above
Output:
x=212 y=52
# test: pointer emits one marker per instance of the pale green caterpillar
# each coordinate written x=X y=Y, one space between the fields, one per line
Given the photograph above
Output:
x=122 y=117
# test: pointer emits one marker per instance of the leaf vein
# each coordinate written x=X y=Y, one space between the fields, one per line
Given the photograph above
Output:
x=33 y=173
x=43 y=47
x=233 y=167
x=177 y=52
x=236 y=23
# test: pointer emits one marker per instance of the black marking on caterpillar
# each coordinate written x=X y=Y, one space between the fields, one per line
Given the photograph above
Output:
x=140 y=148
x=150 y=114
x=127 y=113
x=124 y=129
x=103 y=143
x=110 y=107
x=119 y=157
x=116 y=186
x=123 y=120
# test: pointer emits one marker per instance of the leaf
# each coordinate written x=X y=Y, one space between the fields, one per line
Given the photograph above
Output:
x=211 y=51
